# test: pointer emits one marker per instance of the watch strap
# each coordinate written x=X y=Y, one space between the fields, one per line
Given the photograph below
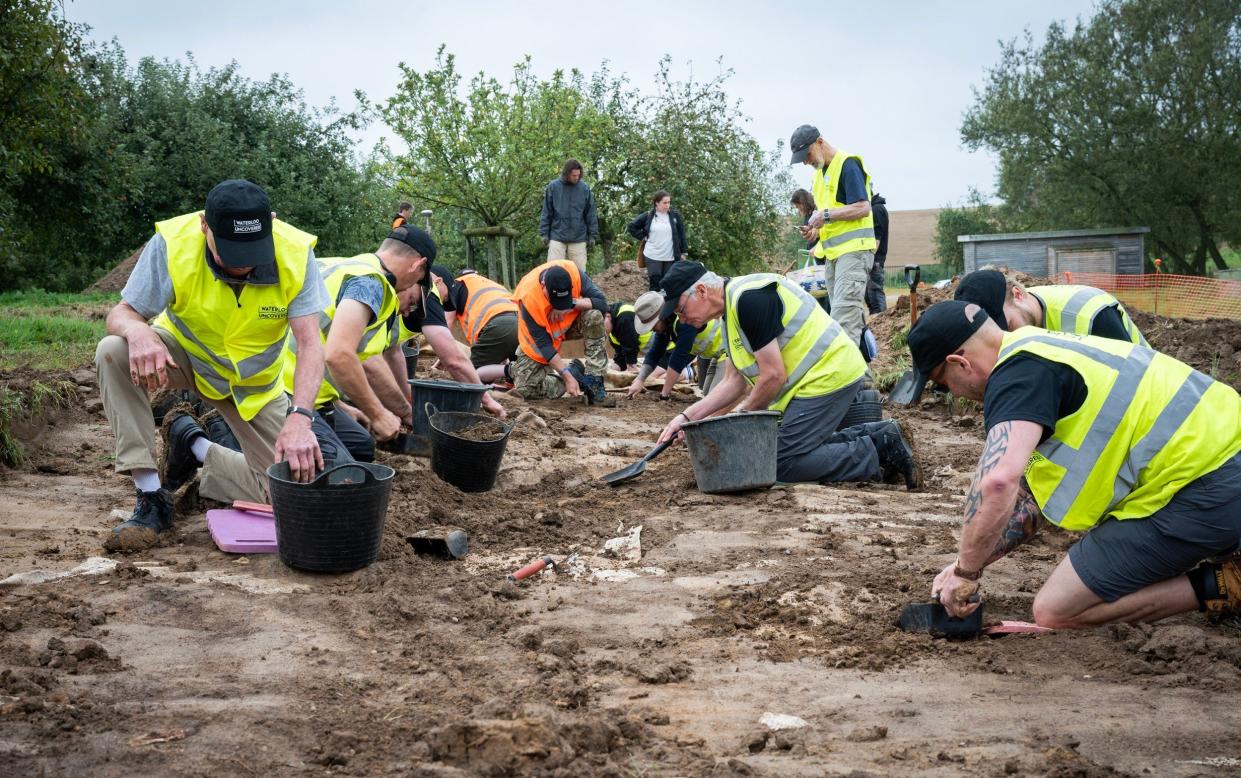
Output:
x=298 y=409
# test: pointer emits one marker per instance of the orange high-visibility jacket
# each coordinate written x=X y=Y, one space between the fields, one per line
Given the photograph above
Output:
x=485 y=299
x=531 y=296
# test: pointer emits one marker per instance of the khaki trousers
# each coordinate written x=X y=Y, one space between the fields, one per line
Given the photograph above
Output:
x=224 y=476
x=846 y=278
x=575 y=252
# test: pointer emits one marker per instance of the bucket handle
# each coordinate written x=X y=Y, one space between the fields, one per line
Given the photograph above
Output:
x=429 y=409
x=370 y=477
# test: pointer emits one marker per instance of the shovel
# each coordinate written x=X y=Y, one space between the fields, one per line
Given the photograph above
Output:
x=933 y=619
x=908 y=388
x=637 y=468
x=442 y=542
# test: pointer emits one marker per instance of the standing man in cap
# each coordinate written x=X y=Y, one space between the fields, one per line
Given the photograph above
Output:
x=1081 y=310
x=1140 y=452
x=793 y=358
x=842 y=223
x=226 y=287
x=556 y=302
x=569 y=224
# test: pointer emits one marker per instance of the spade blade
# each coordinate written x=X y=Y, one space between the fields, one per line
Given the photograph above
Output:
x=932 y=619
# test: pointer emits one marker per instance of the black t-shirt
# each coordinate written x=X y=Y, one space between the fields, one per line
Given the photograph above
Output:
x=1029 y=388
x=431 y=311
x=458 y=295
x=760 y=315
x=624 y=337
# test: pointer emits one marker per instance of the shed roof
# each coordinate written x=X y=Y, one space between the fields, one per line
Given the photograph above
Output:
x=1053 y=234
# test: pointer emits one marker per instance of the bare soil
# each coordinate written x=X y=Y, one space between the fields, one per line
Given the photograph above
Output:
x=185 y=660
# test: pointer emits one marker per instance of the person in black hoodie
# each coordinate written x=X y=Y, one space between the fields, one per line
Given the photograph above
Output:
x=876 y=298
x=663 y=229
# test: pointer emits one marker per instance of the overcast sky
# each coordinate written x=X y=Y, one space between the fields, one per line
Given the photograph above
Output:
x=887 y=80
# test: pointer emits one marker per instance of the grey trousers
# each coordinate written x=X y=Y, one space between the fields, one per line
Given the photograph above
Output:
x=809 y=447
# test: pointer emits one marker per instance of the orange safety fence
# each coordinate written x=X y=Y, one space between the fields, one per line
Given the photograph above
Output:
x=1181 y=297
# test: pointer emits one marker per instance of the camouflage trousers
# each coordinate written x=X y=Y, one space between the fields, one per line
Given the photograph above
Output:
x=533 y=380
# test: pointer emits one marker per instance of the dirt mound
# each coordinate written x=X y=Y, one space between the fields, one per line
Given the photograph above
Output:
x=623 y=282
x=1211 y=345
x=114 y=280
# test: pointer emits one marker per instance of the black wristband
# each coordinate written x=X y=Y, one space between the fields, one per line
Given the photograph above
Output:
x=303 y=411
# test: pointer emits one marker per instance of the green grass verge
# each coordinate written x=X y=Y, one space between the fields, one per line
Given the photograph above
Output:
x=25 y=403
x=49 y=331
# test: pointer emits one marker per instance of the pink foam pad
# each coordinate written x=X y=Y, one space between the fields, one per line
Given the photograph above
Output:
x=1014 y=627
x=242 y=532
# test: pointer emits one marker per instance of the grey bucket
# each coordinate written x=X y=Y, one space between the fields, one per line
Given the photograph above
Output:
x=735 y=452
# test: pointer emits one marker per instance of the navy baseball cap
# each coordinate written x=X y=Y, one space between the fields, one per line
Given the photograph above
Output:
x=416 y=239
x=559 y=288
x=803 y=138
x=239 y=216
x=677 y=281
x=986 y=289
x=939 y=332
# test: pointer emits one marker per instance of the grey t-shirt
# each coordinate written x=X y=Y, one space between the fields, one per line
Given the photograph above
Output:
x=367 y=290
x=149 y=288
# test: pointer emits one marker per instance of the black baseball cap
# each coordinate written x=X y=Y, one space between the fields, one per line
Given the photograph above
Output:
x=676 y=282
x=986 y=289
x=803 y=138
x=559 y=288
x=239 y=216
x=938 y=333
x=416 y=239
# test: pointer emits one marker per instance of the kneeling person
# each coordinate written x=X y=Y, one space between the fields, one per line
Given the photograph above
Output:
x=685 y=340
x=1139 y=451
x=795 y=359
x=487 y=315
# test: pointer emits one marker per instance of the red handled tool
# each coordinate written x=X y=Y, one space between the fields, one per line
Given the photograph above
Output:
x=532 y=568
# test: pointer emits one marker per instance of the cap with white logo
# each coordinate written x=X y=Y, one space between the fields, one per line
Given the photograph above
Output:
x=239 y=215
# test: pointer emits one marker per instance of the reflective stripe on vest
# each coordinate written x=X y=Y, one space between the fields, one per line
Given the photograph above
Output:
x=530 y=295
x=709 y=342
x=335 y=272
x=818 y=357
x=234 y=341
x=839 y=238
x=1148 y=426
x=485 y=299
x=1071 y=308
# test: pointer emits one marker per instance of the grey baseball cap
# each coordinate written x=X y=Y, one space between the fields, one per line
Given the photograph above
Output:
x=803 y=138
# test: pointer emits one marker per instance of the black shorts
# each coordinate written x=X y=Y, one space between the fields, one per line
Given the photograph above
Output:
x=1119 y=557
x=496 y=342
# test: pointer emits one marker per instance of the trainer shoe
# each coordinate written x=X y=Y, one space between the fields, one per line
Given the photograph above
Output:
x=152 y=515
x=178 y=463
x=896 y=457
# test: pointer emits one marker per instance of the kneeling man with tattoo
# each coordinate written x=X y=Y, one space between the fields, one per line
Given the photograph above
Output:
x=1128 y=445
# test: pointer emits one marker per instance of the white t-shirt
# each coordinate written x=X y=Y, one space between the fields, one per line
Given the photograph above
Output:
x=659 y=242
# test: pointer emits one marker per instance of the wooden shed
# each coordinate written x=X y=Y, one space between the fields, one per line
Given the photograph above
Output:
x=1117 y=250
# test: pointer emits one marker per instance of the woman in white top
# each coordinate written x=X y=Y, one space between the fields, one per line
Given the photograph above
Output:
x=663 y=229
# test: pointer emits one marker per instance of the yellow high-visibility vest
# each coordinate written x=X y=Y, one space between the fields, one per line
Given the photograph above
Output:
x=818 y=356
x=709 y=342
x=839 y=238
x=335 y=272
x=643 y=339
x=1149 y=425
x=1072 y=308
x=234 y=340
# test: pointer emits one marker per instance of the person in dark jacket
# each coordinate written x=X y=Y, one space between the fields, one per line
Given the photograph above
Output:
x=569 y=224
x=663 y=229
x=876 y=298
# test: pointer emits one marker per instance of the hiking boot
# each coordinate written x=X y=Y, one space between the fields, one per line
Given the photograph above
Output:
x=218 y=431
x=896 y=456
x=1228 y=583
x=178 y=463
x=152 y=515
x=592 y=386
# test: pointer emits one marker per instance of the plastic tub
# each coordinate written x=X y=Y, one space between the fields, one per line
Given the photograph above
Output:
x=335 y=523
x=735 y=452
x=446 y=396
x=468 y=463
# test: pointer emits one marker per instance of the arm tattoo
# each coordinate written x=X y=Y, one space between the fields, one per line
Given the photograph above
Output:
x=994 y=450
x=1022 y=525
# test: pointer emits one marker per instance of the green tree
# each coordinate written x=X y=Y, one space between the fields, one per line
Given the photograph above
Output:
x=975 y=217
x=1128 y=119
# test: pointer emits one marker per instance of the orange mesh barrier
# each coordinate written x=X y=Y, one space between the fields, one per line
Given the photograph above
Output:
x=1181 y=297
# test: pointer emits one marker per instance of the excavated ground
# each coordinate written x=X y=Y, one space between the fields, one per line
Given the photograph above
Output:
x=185 y=660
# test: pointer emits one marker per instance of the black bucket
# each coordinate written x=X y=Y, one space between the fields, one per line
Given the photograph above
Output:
x=468 y=464
x=411 y=360
x=734 y=452
x=865 y=408
x=445 y=396
x=335 y=523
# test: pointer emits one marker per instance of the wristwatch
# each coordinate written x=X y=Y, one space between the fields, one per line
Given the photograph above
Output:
x=969 y=575
x=303 y=411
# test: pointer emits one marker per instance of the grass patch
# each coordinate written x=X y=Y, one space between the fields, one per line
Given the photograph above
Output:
x=51 y=330
x=27 y=402
x=887 y=379
x=899 y=339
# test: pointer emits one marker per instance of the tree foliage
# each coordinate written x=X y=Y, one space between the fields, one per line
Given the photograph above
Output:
x=490 y=148
x=1128 y=119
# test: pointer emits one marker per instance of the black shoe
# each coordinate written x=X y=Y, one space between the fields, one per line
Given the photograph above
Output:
x=152 y=515
x=218 y=431
x=592 y=386
x=896 y=456
x=179 y=463
x=166 y=400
